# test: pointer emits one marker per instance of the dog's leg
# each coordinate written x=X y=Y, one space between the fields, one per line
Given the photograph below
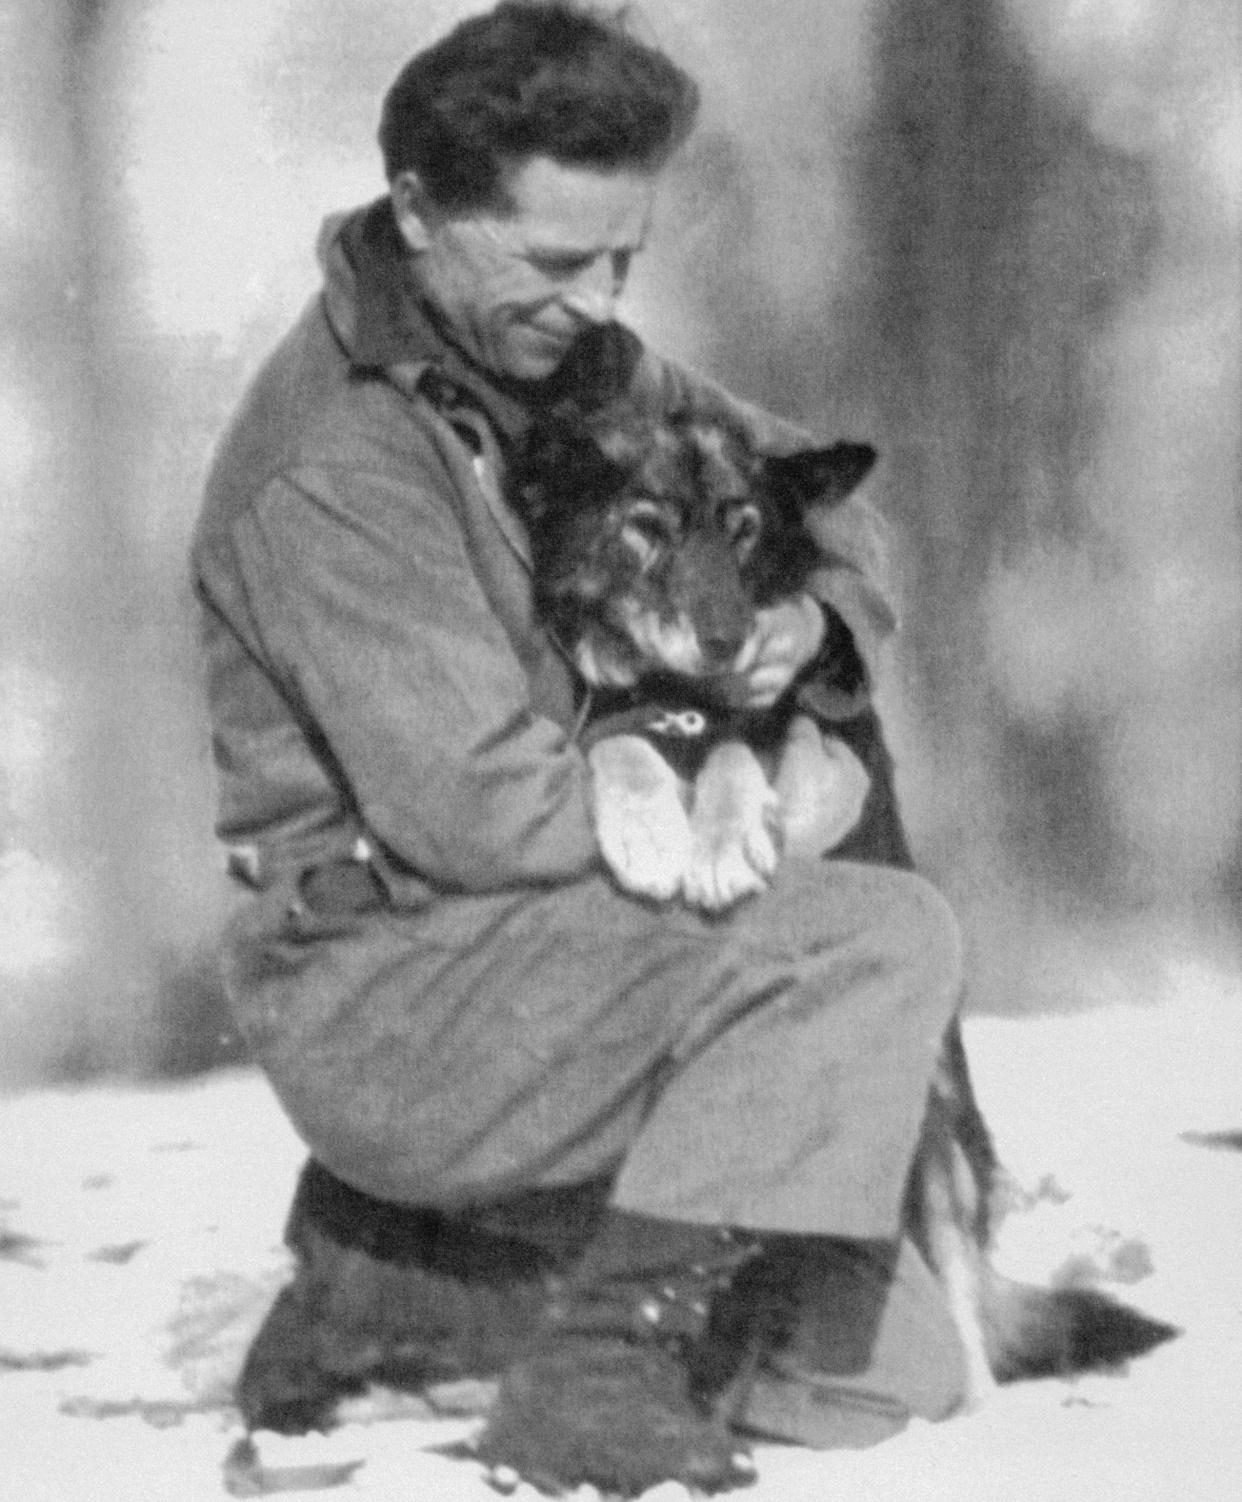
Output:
x=733 y=851
x=948 y=1209
x=1008 y=1330
x=640 y=820
x=948 y=1215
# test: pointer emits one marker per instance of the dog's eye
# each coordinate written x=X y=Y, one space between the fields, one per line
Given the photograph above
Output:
x=743 y=528
x=646 y=532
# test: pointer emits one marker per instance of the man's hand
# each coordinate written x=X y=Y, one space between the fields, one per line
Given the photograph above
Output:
x=786 y=638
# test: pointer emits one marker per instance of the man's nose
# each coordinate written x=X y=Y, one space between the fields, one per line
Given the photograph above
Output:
x=594 y=292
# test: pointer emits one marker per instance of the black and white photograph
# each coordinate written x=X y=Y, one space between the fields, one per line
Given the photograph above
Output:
x=621 y=750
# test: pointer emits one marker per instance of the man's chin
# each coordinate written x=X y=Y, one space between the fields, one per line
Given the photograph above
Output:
x=537 y=357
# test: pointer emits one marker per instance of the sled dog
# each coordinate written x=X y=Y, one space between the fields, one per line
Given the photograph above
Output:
x=655 y=546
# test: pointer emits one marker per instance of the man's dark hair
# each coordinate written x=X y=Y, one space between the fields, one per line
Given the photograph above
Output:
x=532 y=78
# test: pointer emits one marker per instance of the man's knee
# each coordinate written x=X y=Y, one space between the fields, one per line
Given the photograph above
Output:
x=818 y=906
x=922 y=928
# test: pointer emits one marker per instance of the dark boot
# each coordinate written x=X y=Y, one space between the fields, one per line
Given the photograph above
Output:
x=405 y=1296
x=615 y=1389
x=848 y=1341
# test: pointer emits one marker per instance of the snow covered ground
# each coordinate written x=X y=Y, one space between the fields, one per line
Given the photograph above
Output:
x=140 y=1245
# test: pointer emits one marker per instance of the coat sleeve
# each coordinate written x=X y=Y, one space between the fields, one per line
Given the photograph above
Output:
x=855 y=581
x=376 y=626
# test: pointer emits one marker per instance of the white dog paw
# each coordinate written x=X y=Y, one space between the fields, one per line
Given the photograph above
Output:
x=640 y=819
x=646 y=846
x=727 y=865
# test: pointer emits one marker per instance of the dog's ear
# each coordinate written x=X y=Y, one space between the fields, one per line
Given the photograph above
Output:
x=822 y=476
x=559 y=461
x=599 y=368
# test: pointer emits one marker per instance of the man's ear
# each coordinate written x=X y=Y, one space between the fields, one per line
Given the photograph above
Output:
x=412 y=209
x=822 y=476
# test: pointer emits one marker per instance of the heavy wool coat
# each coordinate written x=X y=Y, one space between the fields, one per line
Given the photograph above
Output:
x=450 y=997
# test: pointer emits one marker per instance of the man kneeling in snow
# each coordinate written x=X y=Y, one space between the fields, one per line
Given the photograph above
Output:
x=614 y=1151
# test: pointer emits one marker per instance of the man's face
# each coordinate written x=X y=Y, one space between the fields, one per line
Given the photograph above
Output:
x=517 y=285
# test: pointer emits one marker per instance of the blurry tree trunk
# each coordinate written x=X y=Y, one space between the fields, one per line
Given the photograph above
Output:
x=88 y=912
x=1005 y=237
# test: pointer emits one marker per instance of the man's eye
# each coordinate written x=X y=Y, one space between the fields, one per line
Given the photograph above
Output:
x=566 y=267
x=559 y=266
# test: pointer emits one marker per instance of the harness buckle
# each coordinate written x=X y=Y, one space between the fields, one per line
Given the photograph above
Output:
x=686 y=724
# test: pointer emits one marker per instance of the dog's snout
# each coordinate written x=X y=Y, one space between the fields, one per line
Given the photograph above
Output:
x=711 y=598
x=720 y=647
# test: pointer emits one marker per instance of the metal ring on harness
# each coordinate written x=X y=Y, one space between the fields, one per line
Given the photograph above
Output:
x=687 y=724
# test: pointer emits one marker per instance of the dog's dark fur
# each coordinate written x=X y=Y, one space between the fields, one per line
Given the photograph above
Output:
x=654 y=542
x=413 y=1299
x=656 y=546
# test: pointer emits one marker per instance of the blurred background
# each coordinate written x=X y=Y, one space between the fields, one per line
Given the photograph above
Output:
x=999 y=238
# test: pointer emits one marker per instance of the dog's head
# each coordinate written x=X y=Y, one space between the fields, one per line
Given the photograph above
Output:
x=655 y=542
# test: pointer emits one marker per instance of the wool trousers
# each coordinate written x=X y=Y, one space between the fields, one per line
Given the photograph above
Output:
x=766 y=1068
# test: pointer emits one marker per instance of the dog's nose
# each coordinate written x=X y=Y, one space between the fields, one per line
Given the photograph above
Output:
x=719 y=648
